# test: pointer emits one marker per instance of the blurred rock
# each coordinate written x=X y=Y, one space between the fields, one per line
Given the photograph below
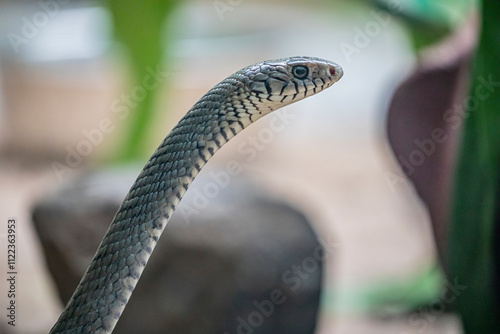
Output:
x=424 y=124
x=240 y=262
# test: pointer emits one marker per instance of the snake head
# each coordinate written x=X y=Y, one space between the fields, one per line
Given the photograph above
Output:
x=275 y=83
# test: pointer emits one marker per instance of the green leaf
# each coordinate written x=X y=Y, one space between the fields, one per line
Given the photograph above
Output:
x=139 y=27
x=476 y=185
x=430 y=20
x=389 y=295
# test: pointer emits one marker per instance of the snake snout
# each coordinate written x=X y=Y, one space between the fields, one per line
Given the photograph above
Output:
x=335 y=71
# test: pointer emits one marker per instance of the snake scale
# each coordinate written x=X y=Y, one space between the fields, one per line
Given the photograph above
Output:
x=225 y=110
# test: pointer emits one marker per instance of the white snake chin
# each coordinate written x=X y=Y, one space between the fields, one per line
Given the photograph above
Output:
x=225 y=110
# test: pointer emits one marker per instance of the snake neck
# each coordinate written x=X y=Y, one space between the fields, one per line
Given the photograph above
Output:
x=111 y=277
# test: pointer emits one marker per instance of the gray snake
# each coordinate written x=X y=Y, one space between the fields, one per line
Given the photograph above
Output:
x=219 y=115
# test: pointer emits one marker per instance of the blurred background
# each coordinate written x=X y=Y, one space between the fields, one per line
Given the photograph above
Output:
x=75 y=101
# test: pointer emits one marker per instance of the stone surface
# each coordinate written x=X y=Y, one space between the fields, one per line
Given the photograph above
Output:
x=233 y=259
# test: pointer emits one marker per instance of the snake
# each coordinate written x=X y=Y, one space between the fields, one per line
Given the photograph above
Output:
x=223 y=112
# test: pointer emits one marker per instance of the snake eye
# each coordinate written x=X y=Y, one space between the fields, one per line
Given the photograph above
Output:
x=300 y=71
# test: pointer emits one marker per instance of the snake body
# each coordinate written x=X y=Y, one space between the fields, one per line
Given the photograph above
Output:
x=219 y=115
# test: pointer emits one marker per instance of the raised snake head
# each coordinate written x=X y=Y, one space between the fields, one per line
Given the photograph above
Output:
x=275 y=83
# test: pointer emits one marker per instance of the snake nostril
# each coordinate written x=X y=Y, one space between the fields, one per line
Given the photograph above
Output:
x=332 y=71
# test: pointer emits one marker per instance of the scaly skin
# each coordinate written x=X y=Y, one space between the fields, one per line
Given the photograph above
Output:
x=219 y=115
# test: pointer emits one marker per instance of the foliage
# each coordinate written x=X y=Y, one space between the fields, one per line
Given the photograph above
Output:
x=430 y=20
x=476 y=194
x=138 y=25
x=390 y=295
